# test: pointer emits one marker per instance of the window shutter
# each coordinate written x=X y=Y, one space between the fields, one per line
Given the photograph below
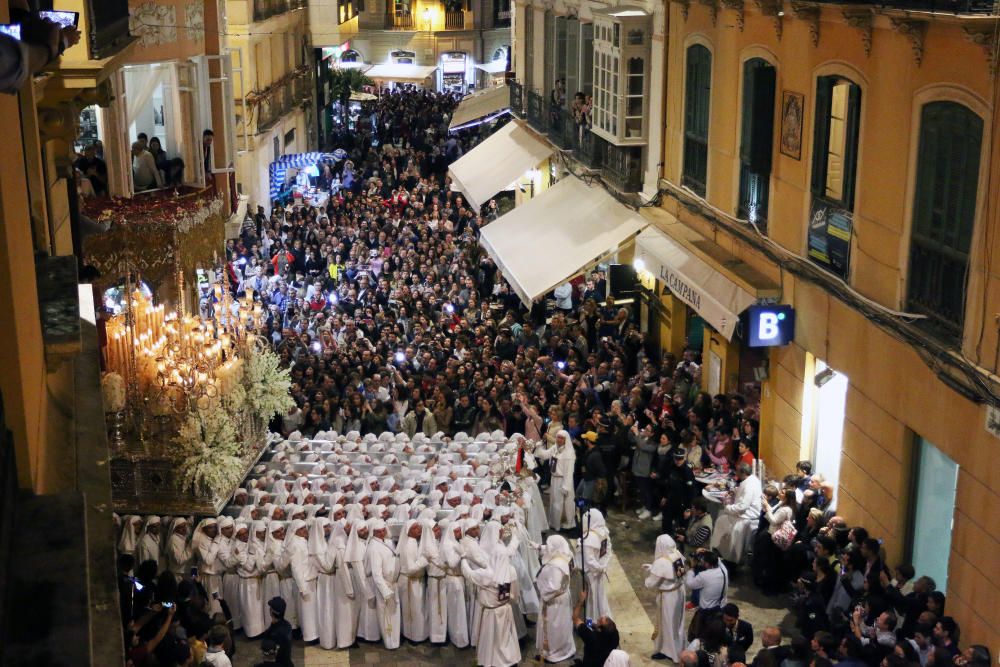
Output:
x=821 y=133
x=758 y=116
x=853 y=131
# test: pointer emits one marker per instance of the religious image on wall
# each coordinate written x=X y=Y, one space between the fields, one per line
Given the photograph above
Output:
x=830 y=230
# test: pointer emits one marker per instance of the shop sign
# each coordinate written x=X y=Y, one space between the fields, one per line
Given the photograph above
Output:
x=453 y=63
x=830 y=230
x=771 y=326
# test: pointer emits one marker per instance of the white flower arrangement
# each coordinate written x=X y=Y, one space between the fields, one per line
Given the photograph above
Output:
x=113 y=392
x=267 y=385
x=208 y=453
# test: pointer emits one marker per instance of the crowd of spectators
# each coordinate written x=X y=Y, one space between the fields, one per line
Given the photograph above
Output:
x=393 y=318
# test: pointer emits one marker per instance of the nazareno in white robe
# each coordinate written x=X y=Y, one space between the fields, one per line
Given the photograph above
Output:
x=554 y=631
x=496 y=589
x=596 y=558
x=562 y=496
x=250 y=568
x=454 y=583
x=306 y=580
x=204 y=552
x=286 y=582
x=384 y=567
x=411 y=586
x=665 y=577
x=437 y=588
x=364 y=624
x=230 y=581
x=324 y=560
x=274 y=549
x=344 y=606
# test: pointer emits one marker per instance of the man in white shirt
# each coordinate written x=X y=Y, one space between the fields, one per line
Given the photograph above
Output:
x=145 y=175
x=736 y=522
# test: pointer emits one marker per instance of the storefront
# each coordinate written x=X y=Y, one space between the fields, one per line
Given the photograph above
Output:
x=692 y=304
x=454 y=72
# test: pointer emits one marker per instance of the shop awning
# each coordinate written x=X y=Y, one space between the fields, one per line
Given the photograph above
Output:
x=497 y=162
x=477 y=106
x=494 y=67
x=716 y=298
x=565 y=230
x=400 y=72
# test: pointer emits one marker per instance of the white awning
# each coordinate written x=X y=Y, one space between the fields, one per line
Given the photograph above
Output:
x=565 y=230
x=716 y=298
x=400 y=72
x=480 y=105
x=493 y=67
x=497 y=162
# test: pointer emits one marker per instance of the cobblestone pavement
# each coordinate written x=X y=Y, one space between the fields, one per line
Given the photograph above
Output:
x=632 y=604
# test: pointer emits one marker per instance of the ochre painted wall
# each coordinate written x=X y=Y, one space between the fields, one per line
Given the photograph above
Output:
x=893 y=396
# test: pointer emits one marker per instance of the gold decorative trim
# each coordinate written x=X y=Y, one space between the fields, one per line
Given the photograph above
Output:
x=914 y=30
x=811 y=15
x=862 y=22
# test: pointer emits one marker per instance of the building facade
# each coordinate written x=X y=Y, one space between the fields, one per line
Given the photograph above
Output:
x=828 y=164
x=271 y=60
x=834 y=159
x=465 y=40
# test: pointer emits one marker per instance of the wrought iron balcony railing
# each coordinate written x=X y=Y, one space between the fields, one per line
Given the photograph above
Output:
x=622 y=168
x=516 y=98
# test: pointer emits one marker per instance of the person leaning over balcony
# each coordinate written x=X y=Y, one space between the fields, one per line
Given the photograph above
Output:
x=41 y=43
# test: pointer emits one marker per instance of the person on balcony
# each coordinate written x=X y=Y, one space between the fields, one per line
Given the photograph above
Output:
x=145 y=175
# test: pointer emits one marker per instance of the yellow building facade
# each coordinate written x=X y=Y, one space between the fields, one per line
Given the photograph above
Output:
x=271 y=66
x=877 y=222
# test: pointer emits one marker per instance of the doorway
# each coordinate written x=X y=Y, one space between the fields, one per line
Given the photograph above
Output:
x=824 y=407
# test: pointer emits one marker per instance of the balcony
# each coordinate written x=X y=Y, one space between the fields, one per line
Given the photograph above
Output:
x=538 y=116
x=454 y=20
x=265 y=9
x=563 y=130
x=517 y=98
x=938 y=282
x=399 y=20
x=501 y=13
x=622 y=168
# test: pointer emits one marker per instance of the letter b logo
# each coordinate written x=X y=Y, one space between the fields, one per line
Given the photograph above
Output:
x=768 y=326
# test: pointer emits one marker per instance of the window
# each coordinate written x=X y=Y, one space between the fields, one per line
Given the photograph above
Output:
x=549 y=43
x=560 y=59
x=634 y=90
x=587 y=57
x=757 y=137
x=606 y=92
x=944 y=212
x=572 y=57
x=529 y=48
x=347 y=10
x=697 y=92
x=835 y=143
x=933 y=513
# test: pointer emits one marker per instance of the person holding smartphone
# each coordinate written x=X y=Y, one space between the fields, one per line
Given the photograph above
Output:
x=41 y=43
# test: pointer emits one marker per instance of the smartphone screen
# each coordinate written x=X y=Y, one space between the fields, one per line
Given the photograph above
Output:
x=168 y=605
x=65 y=19
x=11 y=30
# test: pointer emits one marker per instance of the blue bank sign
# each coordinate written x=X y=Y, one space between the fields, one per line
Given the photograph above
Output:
x=771 y=326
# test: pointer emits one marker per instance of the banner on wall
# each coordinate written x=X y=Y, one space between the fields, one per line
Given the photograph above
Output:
x=830 y=231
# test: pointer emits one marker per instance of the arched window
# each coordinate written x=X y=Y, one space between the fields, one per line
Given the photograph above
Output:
x=835 y=140
x=351 y=56
x=756 y=139
x=697 y=94
x=944 y=213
